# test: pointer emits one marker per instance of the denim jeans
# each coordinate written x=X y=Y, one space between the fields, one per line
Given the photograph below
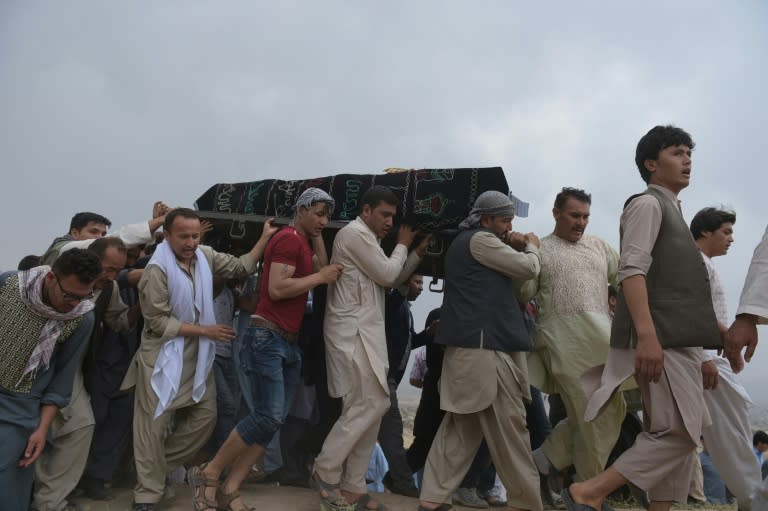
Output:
x=269 y=369
x=227 y=400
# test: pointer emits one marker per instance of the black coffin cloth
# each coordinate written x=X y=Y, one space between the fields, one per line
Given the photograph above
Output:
x=433 y=200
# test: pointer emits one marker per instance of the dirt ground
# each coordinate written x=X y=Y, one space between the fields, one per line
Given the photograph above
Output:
x=279 y=498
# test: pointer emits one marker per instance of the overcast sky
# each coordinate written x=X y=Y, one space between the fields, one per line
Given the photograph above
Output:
x=109 y=106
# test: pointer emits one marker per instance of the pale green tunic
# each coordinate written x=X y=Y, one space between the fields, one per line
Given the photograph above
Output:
x=573 y=325
x=571 y=335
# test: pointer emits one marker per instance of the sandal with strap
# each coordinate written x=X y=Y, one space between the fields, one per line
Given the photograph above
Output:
x=334 y=500
x=361 y=504
x=199 y=483
x=224 y=501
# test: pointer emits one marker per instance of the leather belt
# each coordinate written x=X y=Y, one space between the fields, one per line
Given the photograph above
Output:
x=274 y=327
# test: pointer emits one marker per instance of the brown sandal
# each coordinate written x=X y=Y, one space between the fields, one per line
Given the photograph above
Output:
x=199 y=483
x=224 y=501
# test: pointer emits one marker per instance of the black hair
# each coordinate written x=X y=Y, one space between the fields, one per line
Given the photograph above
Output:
x=83 y=218
x=656 y=140
x=710 y=220
x=760 y=437
x=576 y=193
x=612 y=293
x=29 y=261
x=78 y=261
x=101 y=245
x=377 y=194
x=178 y=212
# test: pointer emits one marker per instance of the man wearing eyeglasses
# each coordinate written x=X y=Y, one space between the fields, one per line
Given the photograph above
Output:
x=64 y=460
x=45 y=322
x=62 y=465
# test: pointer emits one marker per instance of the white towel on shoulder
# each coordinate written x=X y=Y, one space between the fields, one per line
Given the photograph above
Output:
x=188 y=302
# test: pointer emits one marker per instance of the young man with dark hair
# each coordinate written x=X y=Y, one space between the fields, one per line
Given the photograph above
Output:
x=295 y=262
x=664 y=316
x=171 y=372
x=572 y=334
x=86 y=227
x=45 y=321
x=93 y=223
x=356 y=346
x=727 y=438
x=713 y=222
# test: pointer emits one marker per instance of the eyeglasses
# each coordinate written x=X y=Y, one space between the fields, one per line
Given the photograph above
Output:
x=71 y=297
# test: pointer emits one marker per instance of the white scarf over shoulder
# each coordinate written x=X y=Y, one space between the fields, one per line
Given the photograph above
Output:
x=190 y=303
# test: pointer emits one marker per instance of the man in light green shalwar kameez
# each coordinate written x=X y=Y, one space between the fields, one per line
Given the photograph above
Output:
x=571 y=336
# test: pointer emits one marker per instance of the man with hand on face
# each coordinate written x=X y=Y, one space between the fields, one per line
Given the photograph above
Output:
x=294 y=263
x=45 y=322
x=572 y=333
x=356 y=346
x=484 y=382
x=172 y=369
x=664 y=316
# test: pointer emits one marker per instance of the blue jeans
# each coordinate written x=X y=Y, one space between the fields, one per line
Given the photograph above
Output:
x=269 y=369
x=227 y=400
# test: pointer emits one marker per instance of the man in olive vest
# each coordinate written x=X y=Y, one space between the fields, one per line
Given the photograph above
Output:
x=664 y=315
x=485 y=374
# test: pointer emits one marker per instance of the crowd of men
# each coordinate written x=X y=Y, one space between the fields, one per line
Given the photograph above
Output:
x=133 y=350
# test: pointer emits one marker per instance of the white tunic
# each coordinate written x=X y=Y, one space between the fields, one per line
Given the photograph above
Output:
x=354 y=312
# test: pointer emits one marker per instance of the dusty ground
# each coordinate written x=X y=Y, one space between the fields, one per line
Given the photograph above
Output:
x=277 y=498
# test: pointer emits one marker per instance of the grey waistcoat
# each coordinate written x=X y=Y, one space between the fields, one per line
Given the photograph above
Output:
x=679 y=297
x=479 y=308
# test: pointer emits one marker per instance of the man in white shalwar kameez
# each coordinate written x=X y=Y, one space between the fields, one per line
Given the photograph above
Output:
x=728 y=438
x=356 y=345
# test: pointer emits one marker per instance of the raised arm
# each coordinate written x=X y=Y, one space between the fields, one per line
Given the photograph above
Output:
x=367 y=254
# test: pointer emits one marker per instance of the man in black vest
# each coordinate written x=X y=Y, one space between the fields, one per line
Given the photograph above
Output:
x=664 y=315
x=485 y=376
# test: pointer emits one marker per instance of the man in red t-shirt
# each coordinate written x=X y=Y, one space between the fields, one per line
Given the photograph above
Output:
x=295 y=261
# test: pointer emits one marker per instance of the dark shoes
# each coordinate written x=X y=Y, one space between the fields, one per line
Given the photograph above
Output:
x=400 y=489
x=144 y=507
x=95 y=489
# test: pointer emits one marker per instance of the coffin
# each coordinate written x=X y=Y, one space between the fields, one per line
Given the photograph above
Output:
x=433 y=200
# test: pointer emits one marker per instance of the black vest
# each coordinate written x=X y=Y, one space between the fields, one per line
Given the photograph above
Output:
x=480 y=309
x=679 y=296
